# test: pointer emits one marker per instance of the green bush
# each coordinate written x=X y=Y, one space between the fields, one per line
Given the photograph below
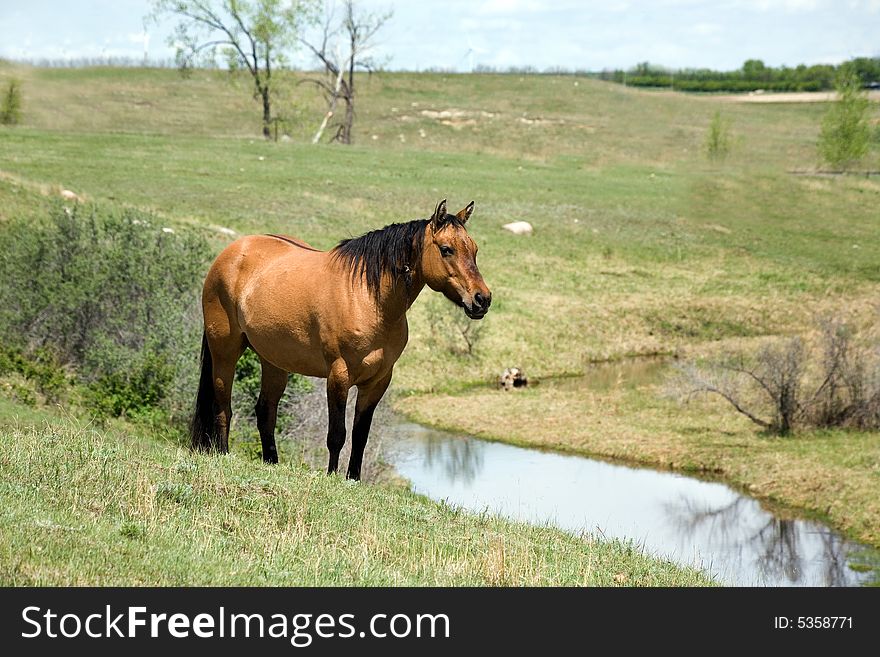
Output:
x=110 y=296
x=718 y=137
x=846 y=134
x=10 y=107
x=41 y=367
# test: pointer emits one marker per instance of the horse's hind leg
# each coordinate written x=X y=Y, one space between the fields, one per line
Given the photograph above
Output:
x=224 y=354
x=367 y=400
x=272 y=385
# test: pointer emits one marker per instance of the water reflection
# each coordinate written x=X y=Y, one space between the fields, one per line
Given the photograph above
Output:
x=625 y=374
x=776 y=549
x=690 y=521
x=461 y=460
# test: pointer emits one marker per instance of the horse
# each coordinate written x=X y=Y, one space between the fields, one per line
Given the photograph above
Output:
x=337 y=314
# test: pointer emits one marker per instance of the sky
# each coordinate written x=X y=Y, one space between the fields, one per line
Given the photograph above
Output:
x=460 y=34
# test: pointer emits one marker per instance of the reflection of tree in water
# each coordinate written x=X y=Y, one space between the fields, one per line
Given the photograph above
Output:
x=461 y=459
x=776 y=544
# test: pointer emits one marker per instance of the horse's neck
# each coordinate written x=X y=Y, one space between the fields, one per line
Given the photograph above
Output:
x=397 y=298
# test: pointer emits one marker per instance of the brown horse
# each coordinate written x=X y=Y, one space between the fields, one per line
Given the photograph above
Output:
x=338 y=314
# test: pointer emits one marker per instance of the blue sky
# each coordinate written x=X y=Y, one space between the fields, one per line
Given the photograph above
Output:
x=454 y=34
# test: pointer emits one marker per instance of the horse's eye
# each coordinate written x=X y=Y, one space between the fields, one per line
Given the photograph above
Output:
x=446 y=251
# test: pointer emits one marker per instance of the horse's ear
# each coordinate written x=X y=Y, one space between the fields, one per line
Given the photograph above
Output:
x=439 y=215
x=466 y=213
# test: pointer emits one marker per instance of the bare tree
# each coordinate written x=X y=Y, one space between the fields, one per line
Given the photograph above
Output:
x=255 y=35
x=786 y=384
x=765 y=389
x=353 y=35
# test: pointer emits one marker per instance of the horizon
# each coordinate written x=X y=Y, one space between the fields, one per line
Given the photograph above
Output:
x=504 y=35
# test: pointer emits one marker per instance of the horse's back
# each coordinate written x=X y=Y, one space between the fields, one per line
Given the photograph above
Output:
x=245 y=258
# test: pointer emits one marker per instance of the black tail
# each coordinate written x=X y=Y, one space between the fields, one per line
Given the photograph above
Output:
x=202 y=428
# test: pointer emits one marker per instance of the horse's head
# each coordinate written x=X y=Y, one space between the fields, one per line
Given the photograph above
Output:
x=449 y=261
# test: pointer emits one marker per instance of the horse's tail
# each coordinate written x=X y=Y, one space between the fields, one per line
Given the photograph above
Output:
x=202 y=428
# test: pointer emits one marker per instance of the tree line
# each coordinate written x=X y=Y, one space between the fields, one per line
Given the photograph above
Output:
x=753 y=75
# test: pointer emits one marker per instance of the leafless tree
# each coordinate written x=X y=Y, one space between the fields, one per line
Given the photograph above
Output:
x=785 y=385
x=775 y=375
x=345 y=47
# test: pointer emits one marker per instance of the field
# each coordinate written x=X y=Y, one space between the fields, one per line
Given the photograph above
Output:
x=642 y=245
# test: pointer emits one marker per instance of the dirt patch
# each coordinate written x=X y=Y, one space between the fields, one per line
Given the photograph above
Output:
x=789 y=97
x=458 y=118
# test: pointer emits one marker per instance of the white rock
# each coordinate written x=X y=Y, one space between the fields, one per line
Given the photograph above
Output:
x=68 y=195
x=168 y=230
x=226 y=231
x=519 y=227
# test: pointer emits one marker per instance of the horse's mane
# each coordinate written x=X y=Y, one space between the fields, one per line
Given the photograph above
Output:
x=395 y=249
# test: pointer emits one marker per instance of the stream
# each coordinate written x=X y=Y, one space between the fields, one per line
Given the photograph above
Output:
x=687 y=520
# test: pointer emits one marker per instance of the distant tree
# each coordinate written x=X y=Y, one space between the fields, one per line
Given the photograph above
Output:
x=354 y=36
x=256 y=35
x=753 y=69
x=845 y=134
x=10 y=107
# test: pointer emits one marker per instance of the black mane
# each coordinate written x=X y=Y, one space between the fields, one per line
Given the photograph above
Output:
x=395 y=249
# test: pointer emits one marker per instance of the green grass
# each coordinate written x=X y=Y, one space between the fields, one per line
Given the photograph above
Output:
x=81 y=506
x=616 y=244
x=641 y=244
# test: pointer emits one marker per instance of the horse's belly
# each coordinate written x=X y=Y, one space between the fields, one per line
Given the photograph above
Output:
x=290 y=355
x=289 y=341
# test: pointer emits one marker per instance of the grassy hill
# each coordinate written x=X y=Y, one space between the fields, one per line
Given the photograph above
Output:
x=82 y=506
x=632 y=223
x=641 y=245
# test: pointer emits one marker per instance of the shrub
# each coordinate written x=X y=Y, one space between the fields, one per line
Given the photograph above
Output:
x=41 y=367
x=718 y=137
x=452 y=329
x=791 y=384
x=10 y=107
x=111 y=296
x=845 y=134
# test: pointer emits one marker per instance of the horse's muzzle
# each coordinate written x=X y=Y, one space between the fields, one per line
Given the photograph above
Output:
x=479 y=306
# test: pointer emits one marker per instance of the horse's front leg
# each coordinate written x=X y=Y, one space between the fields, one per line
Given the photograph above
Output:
x=368 y=398
x=337 y=395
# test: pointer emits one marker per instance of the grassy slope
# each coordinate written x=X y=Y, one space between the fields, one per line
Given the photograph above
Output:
x=84 y=507
x=640 y=245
